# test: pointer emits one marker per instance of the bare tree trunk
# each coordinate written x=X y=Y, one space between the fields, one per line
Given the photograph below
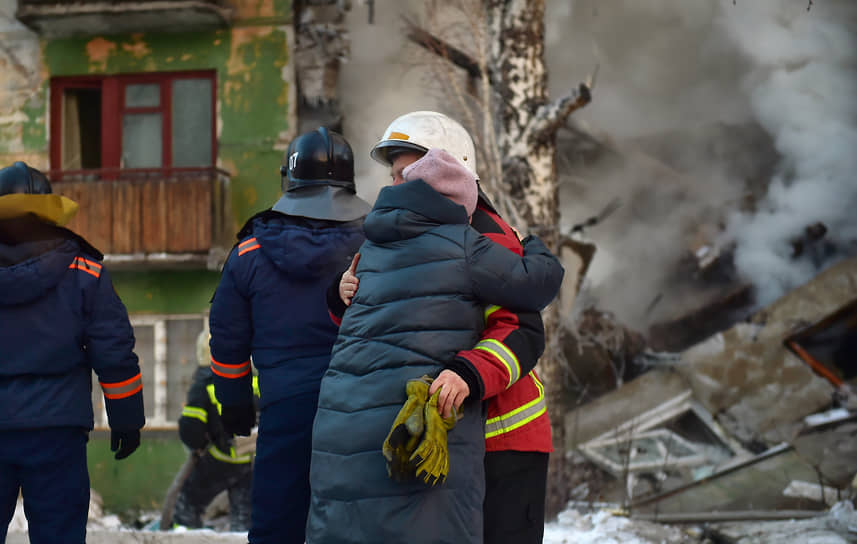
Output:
x=517 y=137
x=527 y=145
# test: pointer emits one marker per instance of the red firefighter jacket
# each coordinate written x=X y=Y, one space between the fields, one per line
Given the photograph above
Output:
x=500 y=369
x=504 y=361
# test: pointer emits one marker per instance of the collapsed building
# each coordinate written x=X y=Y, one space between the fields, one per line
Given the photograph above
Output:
x=759 y=420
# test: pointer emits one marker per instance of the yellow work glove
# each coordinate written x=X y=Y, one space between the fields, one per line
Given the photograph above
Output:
x=432 y=455
x=406 y=431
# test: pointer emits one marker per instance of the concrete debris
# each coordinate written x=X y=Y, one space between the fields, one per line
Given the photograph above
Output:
x=830 y=416
x=839 y=526
x=812 y=491
x=601 y=353
x=610 y=525
x=717 y=311
x=736 y=423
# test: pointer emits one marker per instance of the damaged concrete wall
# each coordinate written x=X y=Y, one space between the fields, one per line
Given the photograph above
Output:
x=613 y=409
x=23 y=107
x=756 y=387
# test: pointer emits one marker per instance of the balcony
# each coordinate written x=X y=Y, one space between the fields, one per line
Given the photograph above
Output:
x=177 y=218
x=59 y=18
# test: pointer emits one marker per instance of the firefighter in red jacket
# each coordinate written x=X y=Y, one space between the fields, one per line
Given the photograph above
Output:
x=500 y=368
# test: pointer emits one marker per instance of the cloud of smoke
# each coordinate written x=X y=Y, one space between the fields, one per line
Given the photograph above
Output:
x=803 y=90
x=377 y=85
x=666 y=103
x=701 y=103
x=724 y=94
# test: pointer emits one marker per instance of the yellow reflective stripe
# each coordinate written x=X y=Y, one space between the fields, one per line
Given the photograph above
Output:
x=490 y=310
x=504 y=355
x=519 y=416
x=198 y=413
x=256 y=386
x=212 y=398
x=227 y=458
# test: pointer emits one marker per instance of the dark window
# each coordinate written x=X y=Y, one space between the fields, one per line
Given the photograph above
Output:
x=143 y=121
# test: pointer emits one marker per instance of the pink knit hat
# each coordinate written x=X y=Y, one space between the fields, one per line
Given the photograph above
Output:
x=447 y=176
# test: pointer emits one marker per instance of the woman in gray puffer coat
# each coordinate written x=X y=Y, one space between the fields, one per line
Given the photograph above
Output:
x=425 y=278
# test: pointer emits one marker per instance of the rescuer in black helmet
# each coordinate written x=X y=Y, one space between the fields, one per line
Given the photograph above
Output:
x=270 y=305
x=318 y=179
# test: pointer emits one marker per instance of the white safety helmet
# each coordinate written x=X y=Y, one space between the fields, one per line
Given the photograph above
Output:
x=424 y=130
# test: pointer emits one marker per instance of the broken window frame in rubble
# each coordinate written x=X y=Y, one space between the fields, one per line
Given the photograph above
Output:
x=674 y=452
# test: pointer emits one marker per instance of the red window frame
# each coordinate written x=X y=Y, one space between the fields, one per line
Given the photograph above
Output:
x=113 y=108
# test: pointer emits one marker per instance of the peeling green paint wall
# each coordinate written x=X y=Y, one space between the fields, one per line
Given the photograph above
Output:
x=166 y=292
x=23 y=110
x=255 y=119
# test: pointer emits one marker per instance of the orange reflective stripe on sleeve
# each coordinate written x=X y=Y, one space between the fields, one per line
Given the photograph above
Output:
x=230 y=371
x=247 y=245
x=120 y=390
x=90 y=267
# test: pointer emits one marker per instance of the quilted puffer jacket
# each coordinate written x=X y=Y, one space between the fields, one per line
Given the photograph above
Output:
x=425 y=276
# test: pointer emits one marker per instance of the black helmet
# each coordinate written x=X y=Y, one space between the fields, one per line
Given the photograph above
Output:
x=320 y=157
x=20 y=178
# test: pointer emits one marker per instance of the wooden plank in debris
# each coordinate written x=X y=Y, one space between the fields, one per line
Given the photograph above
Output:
x=738 y=515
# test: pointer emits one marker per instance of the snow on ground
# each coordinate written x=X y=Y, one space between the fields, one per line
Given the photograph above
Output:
x=604 y=526
x=97 y=518
x=608 y=527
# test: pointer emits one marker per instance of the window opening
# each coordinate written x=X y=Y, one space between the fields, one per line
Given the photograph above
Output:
x=81 y=136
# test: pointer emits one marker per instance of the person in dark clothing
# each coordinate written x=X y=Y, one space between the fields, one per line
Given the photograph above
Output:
x=425 y=276
x=499 y=368
x=219 y=466
x=270 y=305
x=61 y=319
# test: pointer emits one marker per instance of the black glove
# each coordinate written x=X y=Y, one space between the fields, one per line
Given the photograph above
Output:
x=238 y=419
x=124 y=442
x=193 y=433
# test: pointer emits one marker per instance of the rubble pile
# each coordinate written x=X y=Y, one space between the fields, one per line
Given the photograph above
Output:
x=757 y=421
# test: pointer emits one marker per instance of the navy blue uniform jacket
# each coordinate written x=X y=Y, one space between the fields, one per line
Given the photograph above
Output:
x=60 y=319
x=271 y=303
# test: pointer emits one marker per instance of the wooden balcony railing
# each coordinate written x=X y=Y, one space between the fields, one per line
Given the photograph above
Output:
x=151 y=216
x=89 y=17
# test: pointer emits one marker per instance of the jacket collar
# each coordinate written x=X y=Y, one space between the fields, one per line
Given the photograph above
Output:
x=407 y=210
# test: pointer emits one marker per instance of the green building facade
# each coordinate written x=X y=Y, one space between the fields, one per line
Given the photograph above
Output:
x=167 y=123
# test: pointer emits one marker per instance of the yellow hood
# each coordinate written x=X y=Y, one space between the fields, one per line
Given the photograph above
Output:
x=56 y=209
